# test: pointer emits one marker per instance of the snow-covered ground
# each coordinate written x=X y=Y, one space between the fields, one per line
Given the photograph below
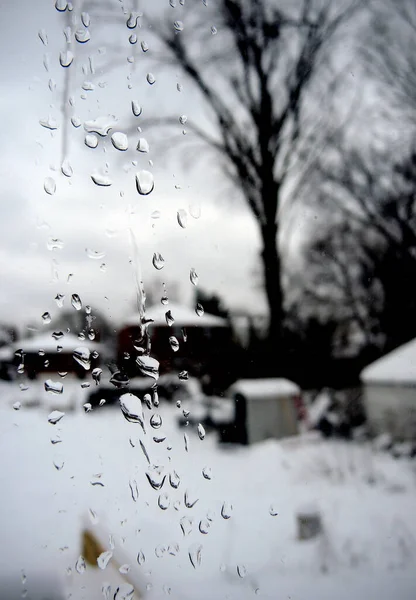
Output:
x=50 y=492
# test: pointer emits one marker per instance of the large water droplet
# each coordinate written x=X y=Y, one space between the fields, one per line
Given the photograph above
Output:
x=83 y=357
x=132 y=409
x=242 y=571
x=80 y=565
x=101 y=125
x=150 y=78
x=148 y=366
x=156 y=421
x=199 y=309
x=141 y=558
x=85 y=18
x=76 y=302
x=104 y=559
x=91 y=140
x=136 y=108
x=156 y=478
x=145 y=46
x=132 y=20
x=174 y=480
x=226 y=510
x=120 y=141
x=207 y=473
x=186 y=525
x=76 y=121
x=174 y=344
x=169 y=318
x=55 y=416
x=57 y=335
x=201 y=431
x=17 y=405
x=163 y=501
x=96 y=375
x=195 y=555
x=49 y=123
x=183 y=119
x=143 y=146
x=66 y=58
x=182 y=217
x=134 y=490
x=87 y=406
x=46 y=318
x=158 y=261
x=178 y=25
x=204 y=526
x=55 y=387
x=189 y=500
x=144 y=182
x=101 y=179
x=88 y=86
x=66 y=169
x=82 y=36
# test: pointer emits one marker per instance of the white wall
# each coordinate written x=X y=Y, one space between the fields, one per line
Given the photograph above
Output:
x=391 y=409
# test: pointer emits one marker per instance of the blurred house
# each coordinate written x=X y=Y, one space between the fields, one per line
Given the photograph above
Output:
x=390 y=393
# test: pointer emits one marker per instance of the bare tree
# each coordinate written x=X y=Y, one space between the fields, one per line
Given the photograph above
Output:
x=253 y=77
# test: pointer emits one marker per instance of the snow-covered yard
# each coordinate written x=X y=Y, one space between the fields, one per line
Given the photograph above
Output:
x=51 y=491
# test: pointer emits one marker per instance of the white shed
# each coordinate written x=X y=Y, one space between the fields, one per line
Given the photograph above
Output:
x=265 y=408
x=390 y=393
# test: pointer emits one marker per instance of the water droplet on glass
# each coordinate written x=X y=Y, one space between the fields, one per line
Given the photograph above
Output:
x=186 y=525
x=124 y=569
x=158 y=261
x=148 y=401
x=156 y=421
x=201 y=431
x=136 y=108
x=96 y=375
x=183 y=119
x=160 y=551
x=55 y=416
x=57 y=335
x=55 y=387
x=66 y=169
x=207 y=473
x=102 y=402
x=100 y=125
x=179 y=87
x=119 y=380
x=184 y=335
x=145 y=46
x=133 y=38
x=54 y=244
x=226 y=510
x=52 y=85
x=204 y=526
x=134 y=490
x=155 y=398
x=174 y=344
x=131 y=407
x=87 y=406
x=148 y=366
x=164 y=300
x=120 y=141
x=195 y=555
x=178 y=25
x=49 y=186
x=242 y=571
x=144 y=182
x=143 y=448
x=17 y=405
x=76 y=302
x=182 y=217
x=189 y=501
x=273 y=510
x=163 y=501
x=66 y=58
x=141 y=558
x=85 y=18
x=199 y=309
x=156 y=478
x=88 y=86
x=76 y=122
x=80 y=565
x=58 y=463
x=143 y=146
x=186 y=440
x=91 y=140
x=82 y=36
x=95 y=254
x=83 y=357
x=101 y=179
x=46 y=318
x=150 y=78
x=93 y=516
x=213 y=30
x=174 y=480
x=103 y=268
x=106 y=590
x=104 y=559
x=132 y=20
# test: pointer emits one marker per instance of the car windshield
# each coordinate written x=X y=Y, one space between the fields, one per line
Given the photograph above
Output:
x=207 y=382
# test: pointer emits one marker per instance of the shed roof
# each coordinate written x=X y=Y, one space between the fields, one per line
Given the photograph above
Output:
x=395 y=368
x=262 y=388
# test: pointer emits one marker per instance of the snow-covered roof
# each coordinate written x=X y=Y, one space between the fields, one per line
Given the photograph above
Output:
x=184 y=317
x=264 y=388
x=45 y=341
x=397 y=367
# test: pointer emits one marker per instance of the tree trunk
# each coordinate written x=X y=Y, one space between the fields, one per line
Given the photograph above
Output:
x=273 y=287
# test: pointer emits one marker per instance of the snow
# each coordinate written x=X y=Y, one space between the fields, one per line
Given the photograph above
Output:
x=184 y=317
x=397 y=367
x=366 y=500
x=264 y=388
